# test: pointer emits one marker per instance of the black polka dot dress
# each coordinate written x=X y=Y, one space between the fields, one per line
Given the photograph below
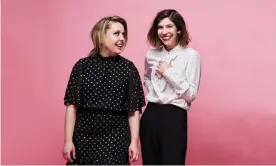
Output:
x=104 y=90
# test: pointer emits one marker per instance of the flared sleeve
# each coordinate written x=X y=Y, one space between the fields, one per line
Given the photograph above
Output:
x=136 y=97
x=73 y=90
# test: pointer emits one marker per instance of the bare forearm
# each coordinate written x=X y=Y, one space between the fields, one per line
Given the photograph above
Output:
x=70 y=119
x=134 y=123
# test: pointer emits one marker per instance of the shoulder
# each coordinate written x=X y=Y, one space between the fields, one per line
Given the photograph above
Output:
x=131 y=67
x=189 y=53
x=81 y=61
x=153 y=51
x=153 y=54
x=79 y=64
x=126 y=61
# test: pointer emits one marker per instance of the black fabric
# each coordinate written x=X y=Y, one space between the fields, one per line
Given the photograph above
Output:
x=163 y=135
x=106 y=83
x=104 y=90
x=101 y=138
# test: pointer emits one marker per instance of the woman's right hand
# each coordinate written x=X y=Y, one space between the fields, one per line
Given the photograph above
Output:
x=69 y=149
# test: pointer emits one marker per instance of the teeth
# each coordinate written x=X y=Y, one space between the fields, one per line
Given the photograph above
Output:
x=167 y=37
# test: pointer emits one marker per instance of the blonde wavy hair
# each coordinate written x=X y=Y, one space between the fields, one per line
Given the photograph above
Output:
x=99 y=30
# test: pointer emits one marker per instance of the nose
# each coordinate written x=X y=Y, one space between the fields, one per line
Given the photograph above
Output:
x=121 y=37
x=164 y=31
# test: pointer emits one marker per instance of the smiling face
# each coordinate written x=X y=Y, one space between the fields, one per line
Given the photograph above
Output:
x=114 y=39
x=109 y=36
x=168 y=29
x=167 y=33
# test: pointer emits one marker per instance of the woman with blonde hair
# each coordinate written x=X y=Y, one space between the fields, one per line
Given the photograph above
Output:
x=104 y=97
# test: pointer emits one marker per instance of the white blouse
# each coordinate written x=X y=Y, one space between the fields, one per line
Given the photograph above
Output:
x=180 y=83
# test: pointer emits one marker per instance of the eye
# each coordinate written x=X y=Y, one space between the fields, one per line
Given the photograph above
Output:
x=169 y=26
x=117 y=33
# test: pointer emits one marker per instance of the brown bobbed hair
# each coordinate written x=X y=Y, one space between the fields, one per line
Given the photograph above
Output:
x=183 y=37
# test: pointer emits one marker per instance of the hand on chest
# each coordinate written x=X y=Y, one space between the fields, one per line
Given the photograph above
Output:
x=163 y=57
x=159 y=63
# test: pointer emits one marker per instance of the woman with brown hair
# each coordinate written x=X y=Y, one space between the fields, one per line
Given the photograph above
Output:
x=103 y=99
x=172 y=77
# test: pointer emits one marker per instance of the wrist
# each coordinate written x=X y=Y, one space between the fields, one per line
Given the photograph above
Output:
x=166 y=71
x=68 y=141
x=134 y=141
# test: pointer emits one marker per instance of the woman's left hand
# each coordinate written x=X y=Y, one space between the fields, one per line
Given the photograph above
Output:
x=133 y=152
x=162 y=67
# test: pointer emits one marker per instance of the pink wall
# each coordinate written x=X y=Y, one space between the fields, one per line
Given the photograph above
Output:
x=231 y=122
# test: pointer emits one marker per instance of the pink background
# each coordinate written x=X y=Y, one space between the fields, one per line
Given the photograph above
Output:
x=231 y=122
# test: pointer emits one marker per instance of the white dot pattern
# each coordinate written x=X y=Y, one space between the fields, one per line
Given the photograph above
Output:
x=103 y=90
x=111 y=83
x=101 y=138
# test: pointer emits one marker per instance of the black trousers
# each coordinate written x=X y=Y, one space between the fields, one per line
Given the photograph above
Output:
x=163 y=135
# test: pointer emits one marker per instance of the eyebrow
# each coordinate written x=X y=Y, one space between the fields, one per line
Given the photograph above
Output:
x=123 y=32
x=166 y=25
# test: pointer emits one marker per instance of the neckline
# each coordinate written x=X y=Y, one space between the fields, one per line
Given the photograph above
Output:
x=105 y=58
x=177 y=47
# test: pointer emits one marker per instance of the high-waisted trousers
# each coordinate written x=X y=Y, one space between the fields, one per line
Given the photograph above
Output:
x=163 y=135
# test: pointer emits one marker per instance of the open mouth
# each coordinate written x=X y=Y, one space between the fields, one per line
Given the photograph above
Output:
x=165 y=38
x=120 y=45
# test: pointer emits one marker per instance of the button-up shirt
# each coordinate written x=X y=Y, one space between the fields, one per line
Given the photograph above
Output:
x=180 y=83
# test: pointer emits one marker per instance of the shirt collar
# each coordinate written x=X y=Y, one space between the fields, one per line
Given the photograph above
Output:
x=174 y=52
